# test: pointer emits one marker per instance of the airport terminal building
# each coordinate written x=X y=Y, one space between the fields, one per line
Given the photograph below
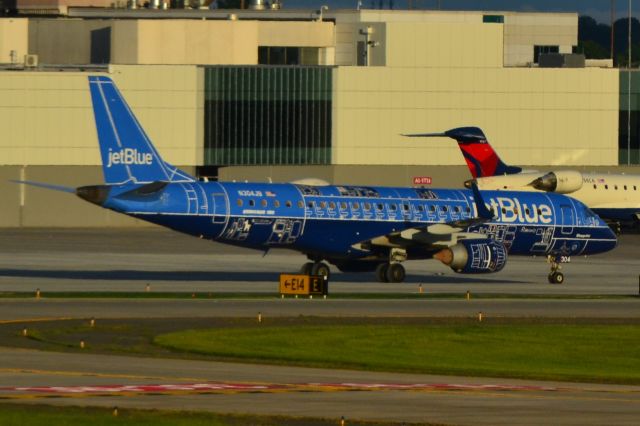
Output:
x=288 y=94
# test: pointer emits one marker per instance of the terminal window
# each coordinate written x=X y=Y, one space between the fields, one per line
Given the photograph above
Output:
x=285 y=55
x=267 y=115
x=493 y=19
x=537 y=50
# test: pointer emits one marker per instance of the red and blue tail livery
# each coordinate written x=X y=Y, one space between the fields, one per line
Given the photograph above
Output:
x=481 y=159
x=356 y=228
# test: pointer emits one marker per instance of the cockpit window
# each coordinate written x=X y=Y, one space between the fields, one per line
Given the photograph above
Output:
x=589 y=213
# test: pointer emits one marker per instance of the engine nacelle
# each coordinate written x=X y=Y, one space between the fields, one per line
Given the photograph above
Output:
x=562 y=182
x=474 y=256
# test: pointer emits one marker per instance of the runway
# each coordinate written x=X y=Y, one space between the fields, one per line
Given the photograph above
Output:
x=83 y=261
x=129 y=259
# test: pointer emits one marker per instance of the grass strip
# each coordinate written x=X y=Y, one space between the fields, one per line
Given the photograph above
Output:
x=35 y=415
x=568 y=352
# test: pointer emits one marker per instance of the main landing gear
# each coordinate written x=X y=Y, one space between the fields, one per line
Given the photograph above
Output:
x=316 y=268
x=390 y=272
x=555 y=276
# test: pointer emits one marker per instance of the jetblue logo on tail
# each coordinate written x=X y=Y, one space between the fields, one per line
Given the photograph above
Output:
x=129 y=156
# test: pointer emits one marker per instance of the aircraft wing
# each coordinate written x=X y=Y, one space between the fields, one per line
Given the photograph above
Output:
x=436 y=234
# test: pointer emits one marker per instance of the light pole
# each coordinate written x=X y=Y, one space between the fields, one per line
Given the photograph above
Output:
x=629 y=90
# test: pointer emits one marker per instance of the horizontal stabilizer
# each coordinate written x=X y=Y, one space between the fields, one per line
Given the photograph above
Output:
x=47 y=186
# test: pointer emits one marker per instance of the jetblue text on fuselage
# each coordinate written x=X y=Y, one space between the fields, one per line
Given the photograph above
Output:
x=512 y=210
x=129 y=156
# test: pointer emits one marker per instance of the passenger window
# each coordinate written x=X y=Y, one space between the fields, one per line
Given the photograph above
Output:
x=323 y=204
x=405 y=207
x=468 y=209
x=239 y=202
x=343 y=205
x=252 y=203
x=300 y=204
x=288 y=204
x=263 y=203
x=393 y=207
x=606 y=187
x=276 y=203
x=367 y=206
x=456 y=209
x=420 y=208
x=355 y=205
x=444 y=209
x=379 y=207
x=310 y=204
x=615 y=187
x=332 y=205
x=625 y=187
x=595 y=186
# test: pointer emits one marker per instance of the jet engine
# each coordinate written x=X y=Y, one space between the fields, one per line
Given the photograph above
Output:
x=562 y=182
x=474 y=256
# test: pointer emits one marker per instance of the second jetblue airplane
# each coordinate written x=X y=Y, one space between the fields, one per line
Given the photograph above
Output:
x=355 y=228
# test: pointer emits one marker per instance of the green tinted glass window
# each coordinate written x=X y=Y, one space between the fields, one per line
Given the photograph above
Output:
x=267 y=115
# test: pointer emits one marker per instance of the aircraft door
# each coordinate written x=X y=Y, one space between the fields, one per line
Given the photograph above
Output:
x=568 y=219
x=220 y=207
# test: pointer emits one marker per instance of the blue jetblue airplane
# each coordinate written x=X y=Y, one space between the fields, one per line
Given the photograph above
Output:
x=355 y=228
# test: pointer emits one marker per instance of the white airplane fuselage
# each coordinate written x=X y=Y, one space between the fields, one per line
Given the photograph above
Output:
x=613 y=196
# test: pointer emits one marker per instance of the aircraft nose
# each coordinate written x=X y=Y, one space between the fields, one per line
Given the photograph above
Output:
x=96 y=194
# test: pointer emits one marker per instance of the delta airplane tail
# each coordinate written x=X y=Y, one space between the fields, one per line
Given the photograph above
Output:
x=128 y=156
x=481 y=159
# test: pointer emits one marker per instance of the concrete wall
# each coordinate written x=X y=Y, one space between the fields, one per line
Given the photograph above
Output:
x=13 y=36
x=164 y=41
x=47 y=118
x=522 y=31
x=442 y=176
x=531 y=116
x=69 y=41
x=441 y=45
x=350 y=174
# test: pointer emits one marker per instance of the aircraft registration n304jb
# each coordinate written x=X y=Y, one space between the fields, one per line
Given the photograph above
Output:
x=355 y=228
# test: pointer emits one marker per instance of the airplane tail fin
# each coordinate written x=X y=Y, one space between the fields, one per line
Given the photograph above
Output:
x=481 y=159
x=127 y=153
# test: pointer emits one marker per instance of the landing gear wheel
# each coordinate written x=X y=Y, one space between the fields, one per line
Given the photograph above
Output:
x=381 y=272
x=556 y=278
x=306 y=268
x=395 y=273
x=321 y=269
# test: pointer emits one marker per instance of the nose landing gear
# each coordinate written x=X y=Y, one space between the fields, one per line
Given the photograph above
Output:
x=555 y=276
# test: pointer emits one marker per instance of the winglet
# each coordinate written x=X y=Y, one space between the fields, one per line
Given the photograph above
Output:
x=483 y=211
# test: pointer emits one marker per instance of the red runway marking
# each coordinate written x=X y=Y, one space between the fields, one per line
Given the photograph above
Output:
x=248 y=387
